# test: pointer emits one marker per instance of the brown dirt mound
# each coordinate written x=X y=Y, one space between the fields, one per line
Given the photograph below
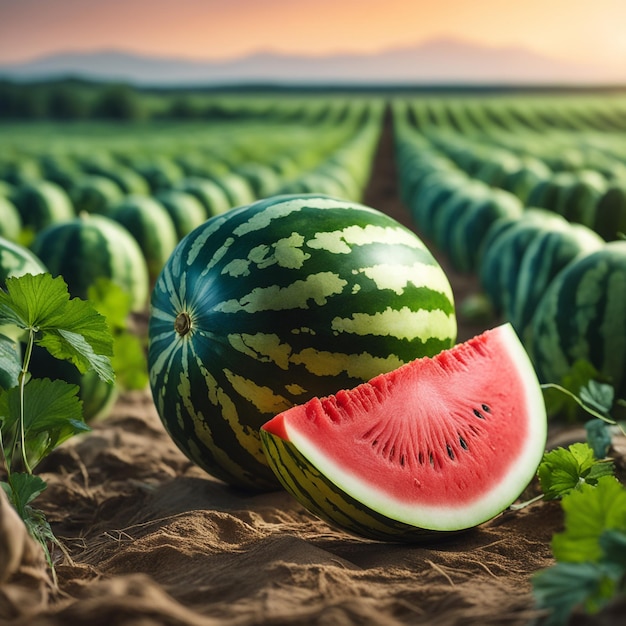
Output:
x=154 y=540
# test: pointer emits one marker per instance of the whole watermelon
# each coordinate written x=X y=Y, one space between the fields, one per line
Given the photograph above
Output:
x=582 y=315
x=90 y=247
x=273 y=303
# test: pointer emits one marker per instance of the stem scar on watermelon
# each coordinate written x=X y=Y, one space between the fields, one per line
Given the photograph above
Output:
x=438 y=445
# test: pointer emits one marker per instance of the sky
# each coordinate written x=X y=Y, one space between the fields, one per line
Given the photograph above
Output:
x=588 y=31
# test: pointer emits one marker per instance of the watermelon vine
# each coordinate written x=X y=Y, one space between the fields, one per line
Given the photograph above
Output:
x=590 y=553
x=37 y=415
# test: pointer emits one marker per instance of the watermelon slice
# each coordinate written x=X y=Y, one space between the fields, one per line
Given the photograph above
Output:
x=438 y=445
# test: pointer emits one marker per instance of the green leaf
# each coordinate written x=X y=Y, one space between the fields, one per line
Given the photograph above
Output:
x=562 y=470
x=598 y=437
x=566 y=586
x=129 y=361
x=589 y=511
x=613 y=544
x=69 y=329
x=33 y=300
x=52 y=414
x=112 y=301
x=23 y=489
x=567 y=404
x=598 y=396
x=65 y=344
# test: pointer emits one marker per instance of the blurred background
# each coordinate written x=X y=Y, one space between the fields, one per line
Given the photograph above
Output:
x=53 y=51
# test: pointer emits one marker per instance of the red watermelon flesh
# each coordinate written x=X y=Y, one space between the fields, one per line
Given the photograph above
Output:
x=442 y=443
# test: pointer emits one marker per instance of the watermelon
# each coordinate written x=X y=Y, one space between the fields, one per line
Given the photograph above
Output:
x=610 y=216
x=159 y=171
x=127 y=179
x=276 y=302
x=185 y=210
x=499 y=265
x=149 y=222
x=578 y=201
x=552 y=248
x=582 y=316
x=263 y=180
x=237 y=189
x=17 y=260
x=91 y=247
x=437 y=446
x=41 y=204
x=522 y=181
x=464 y=197
x=434 y=191
x=10 y=220
x=469 y=229
x=11 y=356
x=212 y=197
x=95 y=194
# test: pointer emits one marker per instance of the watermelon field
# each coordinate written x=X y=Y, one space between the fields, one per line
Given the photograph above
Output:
x=205 y=271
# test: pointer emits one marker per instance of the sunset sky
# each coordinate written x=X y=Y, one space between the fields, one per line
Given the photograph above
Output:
x=592 y=31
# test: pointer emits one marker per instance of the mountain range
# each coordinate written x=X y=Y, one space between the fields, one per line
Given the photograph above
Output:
x=442 y=61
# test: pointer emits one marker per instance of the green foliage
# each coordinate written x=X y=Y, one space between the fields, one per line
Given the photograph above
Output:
x=118 y=102
x=129 y=355
x=68 y=329
x=567 y=399
x=589 y=511
x=564 y=470
x=590 y=553
x=37 y=415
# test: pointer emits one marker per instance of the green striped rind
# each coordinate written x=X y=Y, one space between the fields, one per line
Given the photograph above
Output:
x=91 y=247
x=610 y=213
x=95 y=194
x=468 y=229
x=212 y=197
x=550 y=250
x=581 y=316
x=289 y=298
x=16 y=260
x=148 y=221
x=434 y=192
x=335 y=506
x=10 y=220
x=184 y=209
x=499 y=265
x=41 y=204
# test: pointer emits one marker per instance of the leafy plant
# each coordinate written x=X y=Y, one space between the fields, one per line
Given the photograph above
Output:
x=129 y=355
x=590 y=553
x=37 y=415
x=564 y=470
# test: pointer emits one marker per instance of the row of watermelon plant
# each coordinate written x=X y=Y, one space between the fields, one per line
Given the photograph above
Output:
x=256 y=161
x=127 y=242
x=564 y=289
x=579 y=173
x=559 y=283
x=526 y=114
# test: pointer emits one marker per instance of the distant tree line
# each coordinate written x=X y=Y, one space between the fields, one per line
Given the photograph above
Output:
x=69 y=101
x=77 y=100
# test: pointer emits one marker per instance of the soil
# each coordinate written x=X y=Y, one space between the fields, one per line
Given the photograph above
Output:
x=150 y=539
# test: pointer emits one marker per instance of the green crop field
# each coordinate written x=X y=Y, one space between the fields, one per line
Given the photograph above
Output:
x=224 y=237
x=468 y=165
